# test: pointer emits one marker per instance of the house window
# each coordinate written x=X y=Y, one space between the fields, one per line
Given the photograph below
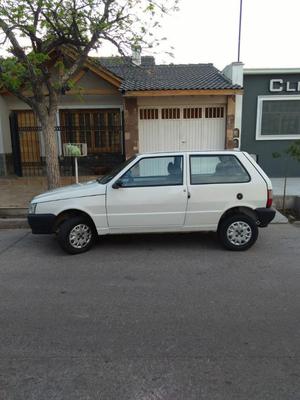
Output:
x=170 y=113
x=214 y=112
x=100 y=129
x=191 y=113
x=278 y=117
x=148 y=113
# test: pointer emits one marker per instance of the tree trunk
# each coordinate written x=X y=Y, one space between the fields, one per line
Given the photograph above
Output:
x=51 y=150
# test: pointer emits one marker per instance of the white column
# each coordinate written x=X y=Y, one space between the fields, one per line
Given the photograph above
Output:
x=5 y=141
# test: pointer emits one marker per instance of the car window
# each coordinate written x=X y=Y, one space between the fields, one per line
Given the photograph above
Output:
x=217 y=169
x=155 y=171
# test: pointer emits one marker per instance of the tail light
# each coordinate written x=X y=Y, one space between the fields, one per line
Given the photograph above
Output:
x=270 y=198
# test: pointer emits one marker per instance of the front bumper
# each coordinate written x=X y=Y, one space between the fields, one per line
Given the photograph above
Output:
x=265 y=216
x=41 y=223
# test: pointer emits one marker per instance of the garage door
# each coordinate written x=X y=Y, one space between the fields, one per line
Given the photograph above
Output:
x=182 y=128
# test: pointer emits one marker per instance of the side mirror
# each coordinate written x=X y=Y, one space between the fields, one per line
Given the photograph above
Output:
x=118 y=184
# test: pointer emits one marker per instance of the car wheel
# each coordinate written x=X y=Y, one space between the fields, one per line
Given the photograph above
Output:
x=238 y=232
x=76 y=235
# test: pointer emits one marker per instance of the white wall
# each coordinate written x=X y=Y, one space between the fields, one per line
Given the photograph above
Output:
x=5 y=141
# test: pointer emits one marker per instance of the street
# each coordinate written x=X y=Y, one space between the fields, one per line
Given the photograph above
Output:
x=150 y=317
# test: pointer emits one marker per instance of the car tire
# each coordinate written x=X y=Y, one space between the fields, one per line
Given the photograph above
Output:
x=238 y=232
x=76 y=235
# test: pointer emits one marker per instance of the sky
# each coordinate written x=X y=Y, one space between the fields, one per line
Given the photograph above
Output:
x=207 y=31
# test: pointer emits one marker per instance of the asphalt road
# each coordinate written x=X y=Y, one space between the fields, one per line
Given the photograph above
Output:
x=154 y=317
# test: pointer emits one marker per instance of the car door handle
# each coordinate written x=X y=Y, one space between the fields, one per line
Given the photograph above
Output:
x=189 y=194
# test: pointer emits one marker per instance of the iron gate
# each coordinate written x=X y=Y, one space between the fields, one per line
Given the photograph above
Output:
x=104 y=140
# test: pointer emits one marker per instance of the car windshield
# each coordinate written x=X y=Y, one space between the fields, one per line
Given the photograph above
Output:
x=106 y=178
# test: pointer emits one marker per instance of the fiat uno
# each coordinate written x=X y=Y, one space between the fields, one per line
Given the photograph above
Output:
x=222 y=191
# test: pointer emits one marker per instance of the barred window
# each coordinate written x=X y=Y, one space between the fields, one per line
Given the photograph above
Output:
x=148 y=113
x=214 y=112
x=191 y=113
x=170 y=113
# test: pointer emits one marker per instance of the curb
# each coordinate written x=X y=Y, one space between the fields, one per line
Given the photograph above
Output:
x=13 y=223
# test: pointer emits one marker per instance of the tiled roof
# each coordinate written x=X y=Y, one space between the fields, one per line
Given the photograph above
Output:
x=149 y=76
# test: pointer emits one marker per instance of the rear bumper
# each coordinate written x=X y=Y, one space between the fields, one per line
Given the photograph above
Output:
x=41 y=223
x=265 y=216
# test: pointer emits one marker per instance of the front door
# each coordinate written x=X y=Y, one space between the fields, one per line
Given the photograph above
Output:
x=152 y=195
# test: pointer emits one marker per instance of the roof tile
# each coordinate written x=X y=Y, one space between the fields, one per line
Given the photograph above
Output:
x=149 y=76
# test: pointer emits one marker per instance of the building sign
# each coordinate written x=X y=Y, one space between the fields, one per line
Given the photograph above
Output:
x=279 y=85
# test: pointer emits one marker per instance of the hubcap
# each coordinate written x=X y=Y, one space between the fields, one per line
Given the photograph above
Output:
x=80 y=236
x=239 y=233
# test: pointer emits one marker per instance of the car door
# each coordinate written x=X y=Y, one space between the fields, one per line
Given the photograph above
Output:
x=150 y=195
x=216 y=183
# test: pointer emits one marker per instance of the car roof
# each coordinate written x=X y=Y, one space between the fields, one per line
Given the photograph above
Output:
x=211 y=152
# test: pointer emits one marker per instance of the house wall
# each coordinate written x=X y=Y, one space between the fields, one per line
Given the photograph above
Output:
x=92 y=81
x=230 y=121
x=234 y=72
x=180 y=100
x=131 y=126
x=259 y=85
x=89 y=82
x=5 y=142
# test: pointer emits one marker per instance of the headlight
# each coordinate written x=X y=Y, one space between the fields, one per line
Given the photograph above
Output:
x=32 y=208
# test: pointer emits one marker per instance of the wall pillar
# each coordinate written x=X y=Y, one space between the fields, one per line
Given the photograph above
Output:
x=131 y=126
x=230 y=122
x=235 y=73
x=5 y=141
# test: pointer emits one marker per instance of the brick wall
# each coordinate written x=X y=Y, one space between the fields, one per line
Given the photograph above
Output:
x=230 y=120
x=131 y=126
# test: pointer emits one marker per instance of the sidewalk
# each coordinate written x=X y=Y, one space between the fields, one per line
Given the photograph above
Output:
x=17 y=192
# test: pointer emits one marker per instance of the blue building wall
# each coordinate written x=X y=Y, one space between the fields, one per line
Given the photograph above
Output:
x=259 y=85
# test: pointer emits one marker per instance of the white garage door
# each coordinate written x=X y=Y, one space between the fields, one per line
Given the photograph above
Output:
x=182 y=128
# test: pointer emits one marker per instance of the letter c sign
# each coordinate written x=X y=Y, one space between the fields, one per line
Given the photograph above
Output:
x=276 y=85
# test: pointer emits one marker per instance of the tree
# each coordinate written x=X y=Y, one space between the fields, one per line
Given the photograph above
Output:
x=36 y=32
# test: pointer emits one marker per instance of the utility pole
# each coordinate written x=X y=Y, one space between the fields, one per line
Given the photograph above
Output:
x=240 y=30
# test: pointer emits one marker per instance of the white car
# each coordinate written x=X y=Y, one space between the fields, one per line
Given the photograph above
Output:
x=222 y=191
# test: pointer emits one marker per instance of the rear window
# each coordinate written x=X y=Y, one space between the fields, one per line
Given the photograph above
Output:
x=207 y=169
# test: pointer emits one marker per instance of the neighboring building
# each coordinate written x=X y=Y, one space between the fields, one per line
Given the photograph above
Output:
x=122 y=108
x=271 y=117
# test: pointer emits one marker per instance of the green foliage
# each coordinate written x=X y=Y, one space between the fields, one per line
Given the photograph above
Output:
x=47 y=43
x=293 y=151
x=13 y=75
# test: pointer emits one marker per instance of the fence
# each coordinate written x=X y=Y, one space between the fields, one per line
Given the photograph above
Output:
x=104 y=147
